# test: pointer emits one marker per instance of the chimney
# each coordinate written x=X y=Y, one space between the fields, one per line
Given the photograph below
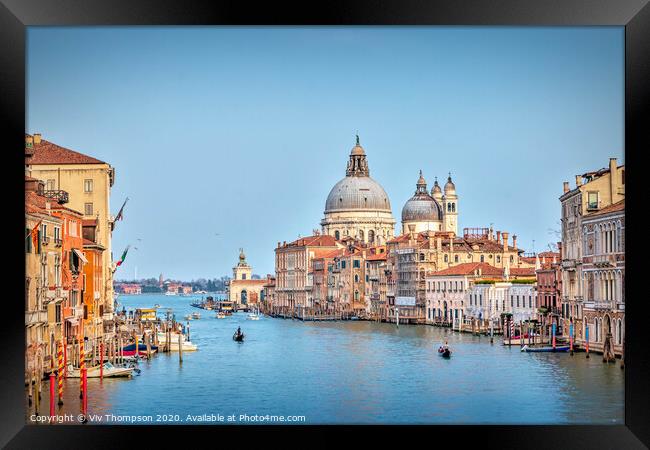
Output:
x=498 y=237
x=37 y=138
x=514 y=241
x=612 y=179
x=278 y=244
x=505 y=241
x=29 y=140
x=578 y=181
x=566 y=187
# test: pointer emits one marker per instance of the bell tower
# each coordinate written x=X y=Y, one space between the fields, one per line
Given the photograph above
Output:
x=450 y=207
x=242 y=271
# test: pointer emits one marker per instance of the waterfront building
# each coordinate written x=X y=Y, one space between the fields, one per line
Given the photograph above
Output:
x=376 y=281
x=86 y=183
x=130 y=289
x=293 y=264
x=268 y=293
x=243 y=290
x=603 y=275
x=447 y=293
x=357 y=206
x=43 y=291
x=323 y=264
x=593 y=192
x=411 y=256
x=549 y=278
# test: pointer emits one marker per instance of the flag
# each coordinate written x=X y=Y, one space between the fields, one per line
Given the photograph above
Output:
x=126 y=250
x=34 y=233
x=120 y=215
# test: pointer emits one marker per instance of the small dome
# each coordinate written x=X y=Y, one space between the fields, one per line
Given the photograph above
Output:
x=436 y=188
x=449 y=185
x=357 y=150
x=422 y=206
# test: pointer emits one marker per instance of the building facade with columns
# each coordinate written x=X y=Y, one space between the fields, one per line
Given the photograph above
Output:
x=603 y=277
x=593 y=191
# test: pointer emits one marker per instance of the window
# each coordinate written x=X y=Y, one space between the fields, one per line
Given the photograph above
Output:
x=88 y=209
x=342 y=264
x=356 y=278
x=446 y=258
x=337 y=235
x=243 y=276
x=498 y=259
x=456 y=258
x=592 y=200
x=28 y=240
x=356 y=264
x=517 y=301
x=482 y=258
x=50 y=185
x=88 y=185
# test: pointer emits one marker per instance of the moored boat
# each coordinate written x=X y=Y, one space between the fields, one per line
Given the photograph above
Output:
x=559 y=348
x=109 y=371
x=221 y=315
x=141 y=347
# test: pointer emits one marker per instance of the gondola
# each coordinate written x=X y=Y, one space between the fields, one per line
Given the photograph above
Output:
x=446 y=353
x=238 y=337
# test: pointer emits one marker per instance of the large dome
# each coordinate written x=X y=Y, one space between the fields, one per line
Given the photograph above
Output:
x=357 y=193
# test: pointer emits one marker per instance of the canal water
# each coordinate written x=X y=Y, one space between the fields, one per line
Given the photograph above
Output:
x=351 y=373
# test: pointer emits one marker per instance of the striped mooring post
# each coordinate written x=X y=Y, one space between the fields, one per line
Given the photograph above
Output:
x=59 y=355
x=82 y=367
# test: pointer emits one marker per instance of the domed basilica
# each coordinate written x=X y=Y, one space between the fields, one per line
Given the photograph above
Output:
x=358 y=207
x=434 y=211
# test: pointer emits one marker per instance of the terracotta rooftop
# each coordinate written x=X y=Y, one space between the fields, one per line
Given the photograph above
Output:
x=470 y=269
x=49 y=153
x=313 y=241
x=522 y=271
x=32 y=199
x=260 y=281
x=618 y=206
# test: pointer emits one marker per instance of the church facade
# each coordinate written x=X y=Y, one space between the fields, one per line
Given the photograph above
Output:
x=243 y=291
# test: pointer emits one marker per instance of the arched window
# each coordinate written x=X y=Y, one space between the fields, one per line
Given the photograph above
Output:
x=619 y=332
x=356 y=278
x=453 y=207
x=421 y=256
x=446 y=258
x=371 y=236
x=482 y=258
x=356 y=295
x=361 y=235
x=337 y=235
x=455 y=258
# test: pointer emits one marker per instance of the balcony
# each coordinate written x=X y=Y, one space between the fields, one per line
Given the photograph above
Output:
x=45 y=240
x=58 y=242
x=35 y=317
x=607 y=260
x=60 y=196
x=569 y=264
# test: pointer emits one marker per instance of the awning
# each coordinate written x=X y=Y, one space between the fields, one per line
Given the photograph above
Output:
x=80 y=255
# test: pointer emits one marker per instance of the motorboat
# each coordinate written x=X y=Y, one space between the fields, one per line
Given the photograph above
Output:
x=187 y=346
x=188 y=317
x=109 y=371
x=221 y=315
x=142 y=347
x=559 y=348
x=253 y=316
x=196 y=315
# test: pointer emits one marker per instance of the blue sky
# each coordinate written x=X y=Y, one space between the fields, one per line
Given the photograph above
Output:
x=243 y=131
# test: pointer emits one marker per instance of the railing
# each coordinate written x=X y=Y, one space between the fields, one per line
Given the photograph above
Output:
x=58 y=195
x=45 y=240
x=58 y=242
x=605 y=260
x=35 y=317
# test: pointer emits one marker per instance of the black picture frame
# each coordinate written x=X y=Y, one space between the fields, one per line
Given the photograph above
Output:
x=634 y=15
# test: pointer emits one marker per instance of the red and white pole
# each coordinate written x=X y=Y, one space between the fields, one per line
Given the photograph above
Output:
x=101 y=361
x=52 y=393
